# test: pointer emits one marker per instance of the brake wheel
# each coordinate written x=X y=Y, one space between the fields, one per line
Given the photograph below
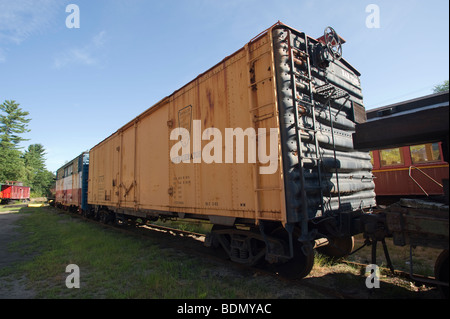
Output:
x=333 y=43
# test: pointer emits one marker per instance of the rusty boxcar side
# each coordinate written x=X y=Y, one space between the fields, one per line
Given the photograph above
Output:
x=132 y=169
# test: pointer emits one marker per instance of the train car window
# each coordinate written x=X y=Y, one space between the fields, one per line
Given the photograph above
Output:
x=371 y=158
x=425 y=153
x=391 y=156
x=68 y=171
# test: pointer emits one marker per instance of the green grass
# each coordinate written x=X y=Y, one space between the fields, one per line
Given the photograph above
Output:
x=115 y=265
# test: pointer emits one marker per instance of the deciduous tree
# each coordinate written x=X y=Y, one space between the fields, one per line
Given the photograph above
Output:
x=444 y=86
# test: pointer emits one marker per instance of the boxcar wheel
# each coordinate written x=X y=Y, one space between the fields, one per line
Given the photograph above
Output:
x=338 y=247
x=441 y=270
x=104 y=216
x=301 y=265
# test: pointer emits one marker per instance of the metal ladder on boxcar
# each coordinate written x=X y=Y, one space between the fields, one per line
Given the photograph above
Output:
x=328 y=93
x=311 y=130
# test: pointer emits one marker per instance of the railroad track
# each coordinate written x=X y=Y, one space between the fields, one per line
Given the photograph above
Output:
x=396 y=273
x=222 y=258
x=219 y=256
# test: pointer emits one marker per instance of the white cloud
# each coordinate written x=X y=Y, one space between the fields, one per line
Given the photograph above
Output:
x=99 y=39
x=84 y=55
x=21 y=19
x=73 y=56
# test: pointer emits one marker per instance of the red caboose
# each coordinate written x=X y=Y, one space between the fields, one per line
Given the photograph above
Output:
x=14 y=191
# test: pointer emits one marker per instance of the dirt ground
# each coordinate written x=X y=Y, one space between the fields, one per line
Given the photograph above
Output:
x=11 y=288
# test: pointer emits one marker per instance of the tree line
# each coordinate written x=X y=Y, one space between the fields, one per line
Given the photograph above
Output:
x=27 y=166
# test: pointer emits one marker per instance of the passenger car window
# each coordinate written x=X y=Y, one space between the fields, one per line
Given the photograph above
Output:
x=425 y=153
x=371 y=158
x=391 y=156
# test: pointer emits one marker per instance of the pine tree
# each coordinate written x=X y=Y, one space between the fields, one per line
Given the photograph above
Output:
x=37 y=176
x=13 y=123
x=29 y=166
x=34 y=157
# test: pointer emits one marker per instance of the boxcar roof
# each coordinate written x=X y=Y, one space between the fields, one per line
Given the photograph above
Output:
x=167 y=98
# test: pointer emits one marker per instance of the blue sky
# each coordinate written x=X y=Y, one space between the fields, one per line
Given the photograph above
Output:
x=81 y=85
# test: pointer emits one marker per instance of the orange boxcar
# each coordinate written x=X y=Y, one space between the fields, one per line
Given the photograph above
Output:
x=264 y=138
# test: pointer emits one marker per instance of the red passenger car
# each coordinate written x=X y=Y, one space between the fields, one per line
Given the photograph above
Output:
x=410 y=170
x=14 y=191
